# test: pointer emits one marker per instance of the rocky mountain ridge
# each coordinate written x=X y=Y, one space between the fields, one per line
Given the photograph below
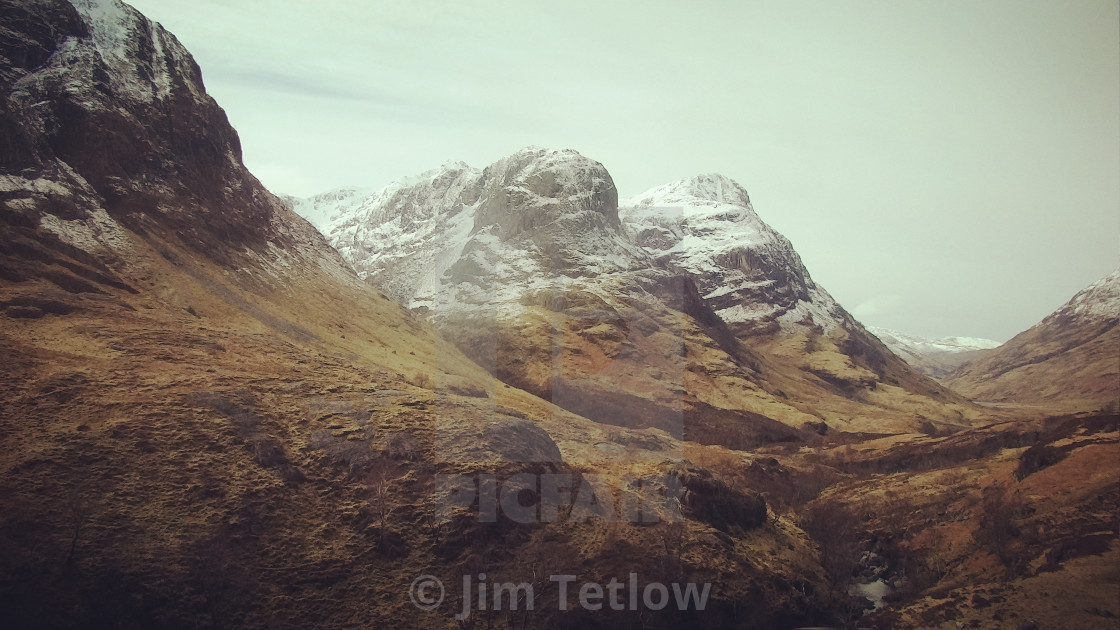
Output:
x=500 y=255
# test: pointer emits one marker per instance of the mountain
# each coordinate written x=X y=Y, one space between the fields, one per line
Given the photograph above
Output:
x=933 y=357
x=320 y=209
x=678 y=308
x=749 y=273
x=209 y=420
x=1070 y=360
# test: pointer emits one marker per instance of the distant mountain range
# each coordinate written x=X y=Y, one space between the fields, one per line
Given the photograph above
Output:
x=933 y=357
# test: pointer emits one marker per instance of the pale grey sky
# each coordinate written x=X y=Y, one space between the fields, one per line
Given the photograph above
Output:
x=943 y=167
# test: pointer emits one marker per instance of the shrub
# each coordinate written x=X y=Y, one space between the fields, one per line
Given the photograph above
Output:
x=999 y=509
x=423 y=380
x=1036 y=458
x=836 y=528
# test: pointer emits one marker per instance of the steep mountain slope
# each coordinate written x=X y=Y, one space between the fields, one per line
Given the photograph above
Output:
x=707 y=229
x=533 y=269
x=751 y=275
x=319 y=210
x=933 y=357
x=1069 y=360
x=208 y=420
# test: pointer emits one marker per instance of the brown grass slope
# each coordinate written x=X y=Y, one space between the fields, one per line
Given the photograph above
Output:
x=207 y=421
x=1069 y=361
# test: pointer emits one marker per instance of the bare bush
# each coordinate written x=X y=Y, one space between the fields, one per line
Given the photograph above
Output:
x=79 y=510
x=381 y=481
x=999 y=510
x=1036 y=458
x=423 y=380
x=836 y=528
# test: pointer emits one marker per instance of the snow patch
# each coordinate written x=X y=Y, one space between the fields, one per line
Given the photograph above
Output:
x=97 y=232
x=142 y=58
x=902 y=342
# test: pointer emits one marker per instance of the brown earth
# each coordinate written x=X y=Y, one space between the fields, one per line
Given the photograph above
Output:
x=1065 y=363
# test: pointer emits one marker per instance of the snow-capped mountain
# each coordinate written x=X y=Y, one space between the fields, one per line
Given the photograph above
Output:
x=933 y=357
x=320 y=209
x=534 y=258
x=895 y=339
x=459 y=238
x=706 y=227
x=1098 y=301
x=108 y=128
x=1069 y=360
x=406 y=237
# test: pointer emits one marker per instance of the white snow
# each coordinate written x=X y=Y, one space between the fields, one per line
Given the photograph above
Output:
x=707 y=226
x=321 y=208
x=408 y=238
x=902 y=342
x=116 y=31
x=97 y=232
x=1100 y=299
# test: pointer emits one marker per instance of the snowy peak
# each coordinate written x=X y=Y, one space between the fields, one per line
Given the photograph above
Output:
x=560 y=174
x=700 y=190
x=537 y=186
x=1099 y=300
x=935 y=358
x=536 y=213
x=144 y=61
x=545 y=211
x=706 y=227
x=897 y=341
x=1068 y=360
x=320 y=209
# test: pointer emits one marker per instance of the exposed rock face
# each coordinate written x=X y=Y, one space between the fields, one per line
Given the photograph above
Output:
x=536 y=187
x=456 y=236
x=751 y=275
x=105 y=120
x=1070 y=360
x=652 y=313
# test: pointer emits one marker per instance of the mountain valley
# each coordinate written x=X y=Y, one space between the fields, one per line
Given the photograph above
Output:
x=216 y=415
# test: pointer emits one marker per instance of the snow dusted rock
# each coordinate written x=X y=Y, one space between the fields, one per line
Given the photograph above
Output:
x=754 y=279
x=403 y=237
x=1099 y=301
x=642 y=315
x=321 y=208
x=460 y=238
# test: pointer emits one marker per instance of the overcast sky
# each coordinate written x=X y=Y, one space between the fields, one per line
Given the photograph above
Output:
x=943 y=168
